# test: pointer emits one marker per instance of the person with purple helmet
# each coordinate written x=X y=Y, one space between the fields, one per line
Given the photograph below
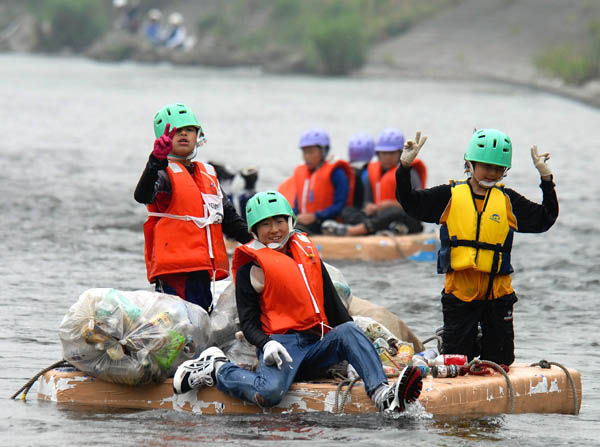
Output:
x=361 y=149
x=381 y=211
x=323 y=186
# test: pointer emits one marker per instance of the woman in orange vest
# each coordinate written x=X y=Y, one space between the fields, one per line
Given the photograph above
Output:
x=381 y=210
x=187 y=211
x=323 y=187
x=289 y=309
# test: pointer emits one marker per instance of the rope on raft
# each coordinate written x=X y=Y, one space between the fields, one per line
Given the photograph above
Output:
x=436 y=338
x=25 y=388
x=392 y=236
x=474 y=366
x=338 y=406
x=546 y=364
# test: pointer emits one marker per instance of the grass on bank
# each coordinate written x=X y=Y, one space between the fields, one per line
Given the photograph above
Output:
x=329 y=37
x=574 y=64
x=332 y=37
x=73 y=24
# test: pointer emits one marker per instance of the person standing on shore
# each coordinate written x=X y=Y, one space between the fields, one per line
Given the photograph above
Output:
x=478 y=217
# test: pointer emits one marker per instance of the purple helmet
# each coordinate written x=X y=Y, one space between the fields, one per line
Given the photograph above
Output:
x=361 y=147
x=390 y=139
x=314 y=137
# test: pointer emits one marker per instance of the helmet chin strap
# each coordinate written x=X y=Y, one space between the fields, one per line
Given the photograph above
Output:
x=279 y=245
x=483 y=183
x=201 y=140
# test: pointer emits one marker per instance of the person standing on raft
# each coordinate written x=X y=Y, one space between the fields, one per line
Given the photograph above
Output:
x=478 y=217
x=187 y=211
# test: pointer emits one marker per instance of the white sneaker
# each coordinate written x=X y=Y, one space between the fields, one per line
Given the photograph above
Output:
x=334 y=228
x=405 y=390
x=198 y=372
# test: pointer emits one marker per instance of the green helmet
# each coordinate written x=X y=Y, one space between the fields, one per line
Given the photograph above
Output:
x=490 y=146
x=177 y=115
x=267 y=204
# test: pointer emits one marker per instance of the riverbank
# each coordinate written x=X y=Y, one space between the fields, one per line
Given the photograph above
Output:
x=495 y=40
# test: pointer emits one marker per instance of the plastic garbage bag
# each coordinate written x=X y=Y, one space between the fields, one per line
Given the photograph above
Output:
x=134 y=337
x=384 y=340
x=340 y=283
x=242 y=353
x=224 y=319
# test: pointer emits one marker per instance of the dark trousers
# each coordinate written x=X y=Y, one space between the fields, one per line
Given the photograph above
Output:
x=193 y=287
x=383 y=220
x=461 y=321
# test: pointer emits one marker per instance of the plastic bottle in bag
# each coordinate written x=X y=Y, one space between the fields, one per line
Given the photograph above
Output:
x=405 y=353
x=168 y=352
x=382 y=346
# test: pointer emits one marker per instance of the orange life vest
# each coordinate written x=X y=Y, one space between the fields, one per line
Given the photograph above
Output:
x=314 y=190
x=384 y=186
x=187 y=235
x=292 y=298
x=287 y=188
x=421 y=169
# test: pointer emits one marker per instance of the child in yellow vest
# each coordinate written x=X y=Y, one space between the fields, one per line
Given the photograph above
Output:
x=478 y=217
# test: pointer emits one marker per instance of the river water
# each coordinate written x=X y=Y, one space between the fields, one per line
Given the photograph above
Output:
x=75 y=136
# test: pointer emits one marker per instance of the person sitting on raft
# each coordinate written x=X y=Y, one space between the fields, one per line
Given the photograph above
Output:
x=478 y=216
x=322 y=186
x=361 y=149
x=382 y=211
x=289 y=309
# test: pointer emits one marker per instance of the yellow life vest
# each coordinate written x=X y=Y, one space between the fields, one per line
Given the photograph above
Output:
x=476 y=240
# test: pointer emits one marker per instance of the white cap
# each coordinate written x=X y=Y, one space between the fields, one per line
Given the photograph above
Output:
x=154 y=14
x=175 y=18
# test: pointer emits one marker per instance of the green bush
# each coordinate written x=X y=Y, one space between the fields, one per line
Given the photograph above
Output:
x=339 y=45
x=565 y=62
x=73 y=24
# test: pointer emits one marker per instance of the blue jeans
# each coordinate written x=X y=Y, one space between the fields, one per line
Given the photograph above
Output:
x=268 y=385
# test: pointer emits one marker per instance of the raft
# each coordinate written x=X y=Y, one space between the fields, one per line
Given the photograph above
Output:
x=532 y=389
x=375 y=247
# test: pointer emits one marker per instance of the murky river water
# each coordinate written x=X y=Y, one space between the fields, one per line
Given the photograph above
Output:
x=74 y=139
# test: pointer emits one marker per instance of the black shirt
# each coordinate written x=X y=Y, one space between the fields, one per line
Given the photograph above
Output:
x=428 y=205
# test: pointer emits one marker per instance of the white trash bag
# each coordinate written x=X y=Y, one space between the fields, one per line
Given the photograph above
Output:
x=133 y=337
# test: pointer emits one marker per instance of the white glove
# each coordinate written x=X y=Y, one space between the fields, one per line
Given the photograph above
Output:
x=412 y=148
x=539 y=161
x=273 y=351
